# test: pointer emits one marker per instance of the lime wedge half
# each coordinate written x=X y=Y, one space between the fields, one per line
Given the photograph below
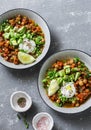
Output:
x=53 y=87
x=25 y=58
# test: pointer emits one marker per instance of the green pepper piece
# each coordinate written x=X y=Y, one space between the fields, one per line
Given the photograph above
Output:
x=1 y=28
x=75 y=69
x=76 y=59
x=22 y=30
x=59 y=80
x=66 y=66
x=16 y=35
x=72 y=77
x=57 y=75
x=38 y=40
x=65 y=78
x=67 y=70
x=28 y=35
x=6 y=35
x=77 y=75
x=44 y=80
x=61 y=73
x=24 y=36
x=7 y=28
x=19 y=40
x=13 y=42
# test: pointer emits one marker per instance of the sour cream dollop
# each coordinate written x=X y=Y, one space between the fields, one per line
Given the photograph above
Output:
x=68 y=90
x=28 y=46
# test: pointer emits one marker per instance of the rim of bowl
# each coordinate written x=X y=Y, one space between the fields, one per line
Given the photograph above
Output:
x=19 y=92
x=33 y=64
x=46 y=114
x=38 y=83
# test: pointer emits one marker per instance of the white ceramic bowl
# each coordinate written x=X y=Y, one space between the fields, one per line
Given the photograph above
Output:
x=17 y=95
x=38 y=116
x=57 y=56
x=41 y=22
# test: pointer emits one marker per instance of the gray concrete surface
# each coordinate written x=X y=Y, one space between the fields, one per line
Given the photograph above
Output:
x=70 y=26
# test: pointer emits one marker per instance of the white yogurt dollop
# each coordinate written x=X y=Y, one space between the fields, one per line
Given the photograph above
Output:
x=28 y=46
x=68 y=90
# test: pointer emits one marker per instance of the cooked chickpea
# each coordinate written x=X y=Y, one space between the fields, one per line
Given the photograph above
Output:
x=71 y=61
x=81 y=83
x=79 y=63
x=77 y=104
x=87 y=90
x=58 y=101
x=85 y=81
x=89 y=81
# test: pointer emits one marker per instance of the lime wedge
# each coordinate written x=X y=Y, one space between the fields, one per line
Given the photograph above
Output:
x=53 y=87
x=25 y=58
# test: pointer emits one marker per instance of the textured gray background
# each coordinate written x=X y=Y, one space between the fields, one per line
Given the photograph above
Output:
x=70 y=26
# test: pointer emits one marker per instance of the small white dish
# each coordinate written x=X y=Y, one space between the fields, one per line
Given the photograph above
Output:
x=14 y=101
x=39 y=118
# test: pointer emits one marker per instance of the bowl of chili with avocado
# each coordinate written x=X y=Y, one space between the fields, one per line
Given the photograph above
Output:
x=65 y=81
x=24 y=38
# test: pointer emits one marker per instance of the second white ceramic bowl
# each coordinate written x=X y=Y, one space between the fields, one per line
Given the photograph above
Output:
x=58 y=56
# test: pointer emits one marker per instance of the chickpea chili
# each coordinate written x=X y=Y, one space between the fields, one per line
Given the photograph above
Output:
x=20 y=34
x=68 y=82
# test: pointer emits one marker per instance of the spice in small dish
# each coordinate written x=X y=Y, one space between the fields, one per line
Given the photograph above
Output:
x=21 y=102
x=43 y=123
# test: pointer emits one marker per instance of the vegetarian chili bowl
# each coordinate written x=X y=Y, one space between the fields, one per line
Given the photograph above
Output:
x=24 y=38
x=65 y=81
